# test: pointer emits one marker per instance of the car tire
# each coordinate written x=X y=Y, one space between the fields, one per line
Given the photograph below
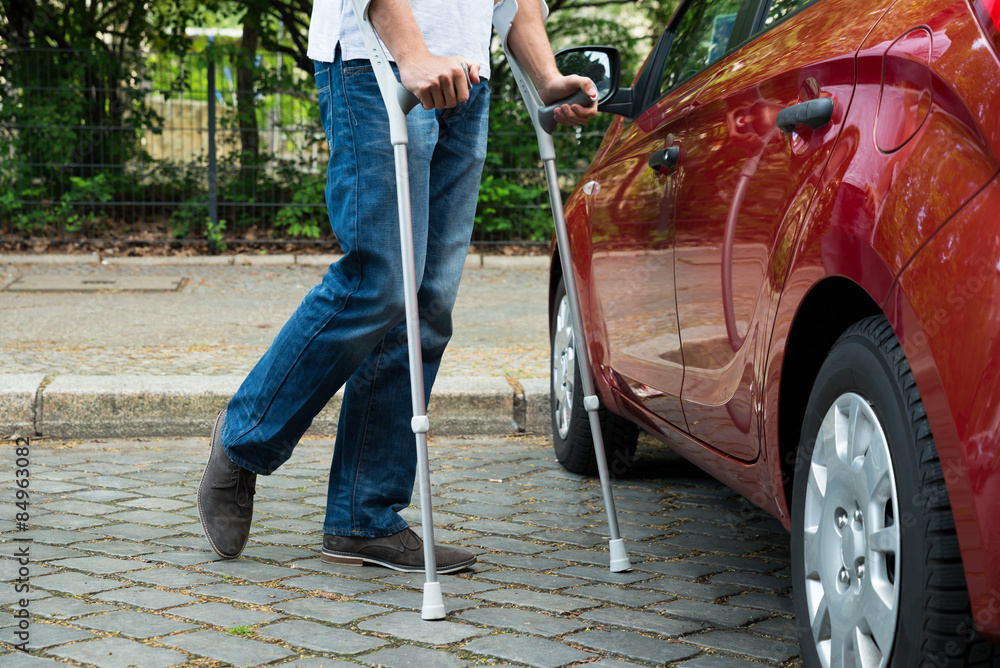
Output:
x=876 y=567
x=571 y=433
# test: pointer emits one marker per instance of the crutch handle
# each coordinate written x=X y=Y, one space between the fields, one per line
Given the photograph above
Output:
x=547 y=117
x=408 y=100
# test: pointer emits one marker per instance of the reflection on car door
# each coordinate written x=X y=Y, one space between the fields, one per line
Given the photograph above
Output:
x=632 y=234
x=632 y=270
x=746 y=188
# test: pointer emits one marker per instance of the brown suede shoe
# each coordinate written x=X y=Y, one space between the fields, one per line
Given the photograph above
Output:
x=225 y=499
x=403 y=551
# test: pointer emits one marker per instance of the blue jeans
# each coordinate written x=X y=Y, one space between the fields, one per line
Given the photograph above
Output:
x=350 y=328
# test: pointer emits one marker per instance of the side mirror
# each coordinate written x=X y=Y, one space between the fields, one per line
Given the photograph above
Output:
x=602 y=65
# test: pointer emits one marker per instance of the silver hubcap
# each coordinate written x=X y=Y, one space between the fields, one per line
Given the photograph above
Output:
x=851 y=536
x=563 y=367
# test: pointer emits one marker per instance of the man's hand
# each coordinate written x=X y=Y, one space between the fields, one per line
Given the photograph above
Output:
x=529 y=42
x=438 y=81
x=561 y=87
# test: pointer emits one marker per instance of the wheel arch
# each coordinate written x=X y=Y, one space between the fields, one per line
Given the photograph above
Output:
x=826 y=312
x=555 y=275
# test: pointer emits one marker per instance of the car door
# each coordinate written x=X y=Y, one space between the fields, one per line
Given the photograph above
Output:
x=747 y=186
x=632 y=228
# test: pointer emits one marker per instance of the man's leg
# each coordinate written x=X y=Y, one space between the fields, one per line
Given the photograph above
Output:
x=372 y=474
x=338 y=323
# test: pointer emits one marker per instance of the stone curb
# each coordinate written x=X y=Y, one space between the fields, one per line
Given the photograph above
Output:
x=135 y=406
x=473 y=261
x=537 y=419
x=18 y=401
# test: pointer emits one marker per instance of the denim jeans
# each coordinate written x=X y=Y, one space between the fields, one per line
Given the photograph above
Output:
x=349 y=329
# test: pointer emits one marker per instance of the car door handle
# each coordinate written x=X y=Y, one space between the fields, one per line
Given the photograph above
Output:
x=665 y=159
x=812 y=114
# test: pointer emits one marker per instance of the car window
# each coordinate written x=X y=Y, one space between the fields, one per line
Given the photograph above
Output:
x=700 y=39
x=778 y=10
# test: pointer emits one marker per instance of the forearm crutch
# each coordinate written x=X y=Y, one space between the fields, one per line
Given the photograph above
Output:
x=543 y=119
x=399 y=101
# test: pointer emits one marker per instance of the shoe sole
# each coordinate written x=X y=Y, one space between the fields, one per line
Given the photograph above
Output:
x=201 y=486
x=347 y=559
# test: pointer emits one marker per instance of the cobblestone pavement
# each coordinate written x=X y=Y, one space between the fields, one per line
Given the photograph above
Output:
x=120 y=574
x=223 y=317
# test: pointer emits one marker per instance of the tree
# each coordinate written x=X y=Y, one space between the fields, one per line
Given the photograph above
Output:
x=73 y=81
x=73 y=60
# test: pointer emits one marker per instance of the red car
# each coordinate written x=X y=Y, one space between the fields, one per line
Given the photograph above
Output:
x=788 y=258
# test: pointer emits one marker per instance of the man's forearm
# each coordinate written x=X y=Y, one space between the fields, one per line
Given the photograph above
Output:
x=530 y=43
x=439 y=82
x=398 y=29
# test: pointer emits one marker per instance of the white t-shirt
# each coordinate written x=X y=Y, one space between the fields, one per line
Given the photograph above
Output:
x=450 y=28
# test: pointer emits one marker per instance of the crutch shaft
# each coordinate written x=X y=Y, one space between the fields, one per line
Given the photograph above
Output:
x=419 y=423
x=396 y=106
x=619 y=560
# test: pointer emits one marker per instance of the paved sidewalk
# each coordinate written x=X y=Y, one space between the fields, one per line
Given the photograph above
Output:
x=138 y=347
x=120 y=575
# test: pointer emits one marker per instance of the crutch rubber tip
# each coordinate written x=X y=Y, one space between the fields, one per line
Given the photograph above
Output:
x=433 y=603
x=619 y=558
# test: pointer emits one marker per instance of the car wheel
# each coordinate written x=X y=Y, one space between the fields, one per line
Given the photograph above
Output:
x=571 y=432
x=876 y=567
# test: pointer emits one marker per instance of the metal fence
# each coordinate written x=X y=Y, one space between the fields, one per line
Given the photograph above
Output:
x=154 y=148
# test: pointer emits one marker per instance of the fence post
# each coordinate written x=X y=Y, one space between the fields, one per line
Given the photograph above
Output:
x=213 y=187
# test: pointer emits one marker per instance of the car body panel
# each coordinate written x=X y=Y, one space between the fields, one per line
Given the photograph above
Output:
x=960 y=383
x=746 y=188
x=908 y=193
x=877 y=209
x=632 y=262
x=893 y=209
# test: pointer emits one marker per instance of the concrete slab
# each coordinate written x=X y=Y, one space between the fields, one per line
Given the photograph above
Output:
x=141 y=364
x=129 y=406
x=537 y=416
x=317 y=260
x=516 y=261
x=95 y=284
x=17 y=403
x=125 y=406
x=49 y=258
x=263 y=259
x=473 y=405
x=147 y=261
